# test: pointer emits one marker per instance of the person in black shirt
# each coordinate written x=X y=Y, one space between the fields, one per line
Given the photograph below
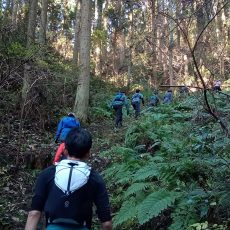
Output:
x=66 y=192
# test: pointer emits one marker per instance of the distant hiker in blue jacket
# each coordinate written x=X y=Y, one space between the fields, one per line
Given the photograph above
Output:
x=154 y=100
x=118 y=101
x=137 y=98
x=168 y=97
x=65 y=125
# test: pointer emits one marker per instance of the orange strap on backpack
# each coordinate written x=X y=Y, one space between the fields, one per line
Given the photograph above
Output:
x=60 y=151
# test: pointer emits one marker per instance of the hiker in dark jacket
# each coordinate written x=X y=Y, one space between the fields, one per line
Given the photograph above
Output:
x=154 y=100
x=117 y=104
x=168 y=97
x=137 y=98
x=65 y=125
x=184 y=91
x=67 y=192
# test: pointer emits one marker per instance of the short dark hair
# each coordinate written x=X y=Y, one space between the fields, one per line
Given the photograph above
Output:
x=71 y=114
x=78 y=142
x=137 y=91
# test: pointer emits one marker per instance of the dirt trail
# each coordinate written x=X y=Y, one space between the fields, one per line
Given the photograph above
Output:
x=104 y=137
x=17 y=181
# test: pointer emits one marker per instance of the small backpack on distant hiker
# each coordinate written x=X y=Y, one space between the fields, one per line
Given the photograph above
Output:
x=118 y=101
x=154 y=100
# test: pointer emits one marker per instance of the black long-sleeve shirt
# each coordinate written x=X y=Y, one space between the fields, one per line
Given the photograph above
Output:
x=78 y=205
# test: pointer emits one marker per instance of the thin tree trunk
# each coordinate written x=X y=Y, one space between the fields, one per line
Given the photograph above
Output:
x=82 y=95
x=153 y=32
x=104 y=55
x=43 y=25
x=14 y=12
x=200 y=23
x=186 y=73
x=0 y=8
x=98 y=48
x=7 y=9
x=77 y=33
x=32 y=22
x=30 y=40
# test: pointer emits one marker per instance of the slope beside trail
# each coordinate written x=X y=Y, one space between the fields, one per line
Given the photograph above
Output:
x=105 y=137
x=19 y=166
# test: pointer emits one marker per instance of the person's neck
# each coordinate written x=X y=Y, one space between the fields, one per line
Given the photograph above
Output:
x=75 y=159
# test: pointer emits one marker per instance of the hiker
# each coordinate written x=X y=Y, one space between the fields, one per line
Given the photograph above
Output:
x=168 y=97
x=67 y=191
x=118 y=101
x=184 y=90
x=65 y=125
x=136 y=102
x=217 y=85
x=154 y=100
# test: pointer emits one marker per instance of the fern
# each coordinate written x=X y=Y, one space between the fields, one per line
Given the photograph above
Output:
x=126 y=212
x=184 y=214
x=224 y=201
x=115 y=168
x=154 y=204
x=149 y=171
x=190 y=158
x=136 y=187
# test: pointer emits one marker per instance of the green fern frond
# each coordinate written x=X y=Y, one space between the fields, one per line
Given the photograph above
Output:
x=136 y=187
x=112 y=171
x=225 y=201
x=126 y=212
x=154 y=204
x=184 y=214
x=178 y=224
x=123 y=177
x=149 y=171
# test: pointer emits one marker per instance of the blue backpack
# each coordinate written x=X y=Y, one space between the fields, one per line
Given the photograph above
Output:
x=154 y=100
x=118 y=101
x=136 y=98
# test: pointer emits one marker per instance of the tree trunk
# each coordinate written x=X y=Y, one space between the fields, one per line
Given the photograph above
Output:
x=98 y=48
x=7 y=9
x=0 y=8
x=153 y=32
x=200 y=23
x=30 y=40
x=77 y=33
x=170 y=51
x=177 y=28
x=104 y=54
x=186 y=62
x=43 y=25
x=82 y=95
x=14 y=12
x=32 y=22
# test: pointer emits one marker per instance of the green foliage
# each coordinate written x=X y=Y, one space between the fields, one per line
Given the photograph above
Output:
x=127 y=211
x=154 y=204
x=15 y=49
x=137 y=187
x=100 y=112
x=186 y=172
x=99 y=36
x=148 y=171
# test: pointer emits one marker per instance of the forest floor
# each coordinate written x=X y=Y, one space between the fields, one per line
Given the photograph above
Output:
x=19 y=166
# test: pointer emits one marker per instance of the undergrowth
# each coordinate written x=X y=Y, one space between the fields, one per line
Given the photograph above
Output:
x=172 y=171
